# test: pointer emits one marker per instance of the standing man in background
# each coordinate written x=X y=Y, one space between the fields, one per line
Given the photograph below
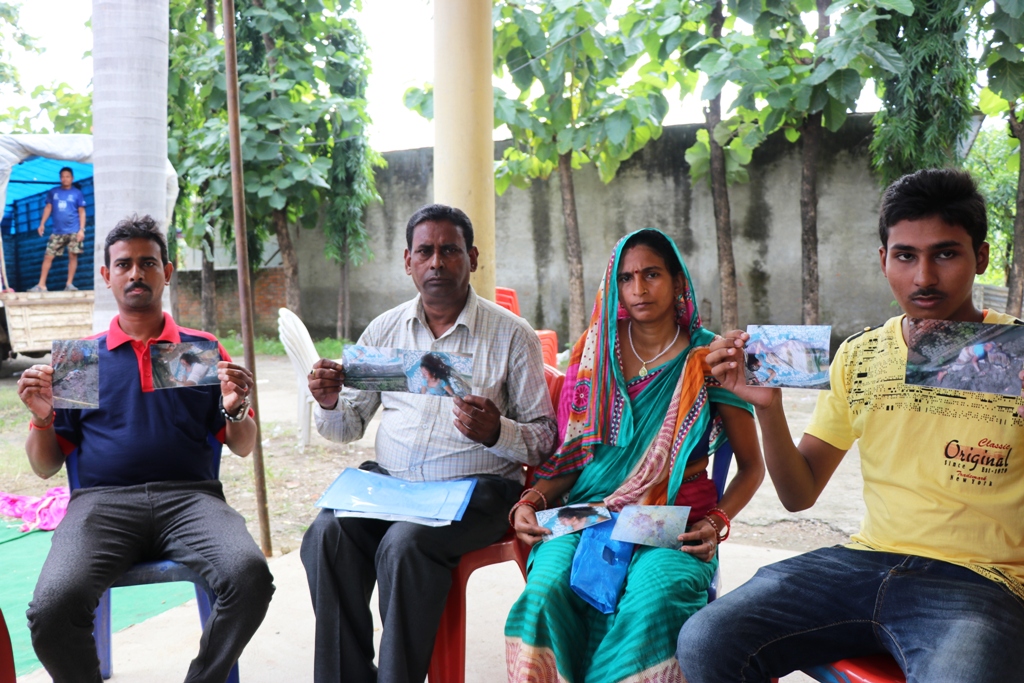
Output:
x=67 y=204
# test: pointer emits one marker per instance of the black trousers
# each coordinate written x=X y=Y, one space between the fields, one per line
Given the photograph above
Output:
x=109 y=529
x=411 y=565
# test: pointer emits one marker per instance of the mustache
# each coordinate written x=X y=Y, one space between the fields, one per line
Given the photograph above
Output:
x=927 y=291
x=137 y=285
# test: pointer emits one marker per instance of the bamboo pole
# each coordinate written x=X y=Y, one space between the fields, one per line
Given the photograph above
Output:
x=242 y=254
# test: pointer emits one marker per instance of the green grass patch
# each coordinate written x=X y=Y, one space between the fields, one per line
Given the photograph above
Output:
x=13 y=413
x=269 y=346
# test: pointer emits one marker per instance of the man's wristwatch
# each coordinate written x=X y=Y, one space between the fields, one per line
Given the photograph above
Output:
x=240 y=414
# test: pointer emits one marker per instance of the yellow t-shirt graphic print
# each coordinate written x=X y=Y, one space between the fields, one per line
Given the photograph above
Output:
x=943 y=469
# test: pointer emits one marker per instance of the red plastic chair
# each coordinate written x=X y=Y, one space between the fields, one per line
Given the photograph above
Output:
x=448 y=663
x=873 y=669
x=549 y=345
x=506 y=297
x=7 y=674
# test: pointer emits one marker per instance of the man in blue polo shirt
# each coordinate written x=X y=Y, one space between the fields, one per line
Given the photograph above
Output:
x=144 y=468
x=67 y=204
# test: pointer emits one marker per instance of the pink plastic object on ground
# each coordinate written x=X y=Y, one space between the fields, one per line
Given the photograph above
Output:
x=42 y=513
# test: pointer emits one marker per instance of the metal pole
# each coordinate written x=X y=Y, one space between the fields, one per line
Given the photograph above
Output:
x=242 y=255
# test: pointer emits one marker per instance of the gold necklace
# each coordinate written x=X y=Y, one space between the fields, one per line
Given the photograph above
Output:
x=643 y=363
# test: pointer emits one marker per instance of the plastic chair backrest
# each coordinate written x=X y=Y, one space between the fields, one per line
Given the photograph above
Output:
x=297 y=342
x=555 y=379
x=549 y=346
x=506 y=297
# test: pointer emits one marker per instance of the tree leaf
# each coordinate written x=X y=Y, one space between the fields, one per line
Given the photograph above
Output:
x=1006 y=79
x=845 y=85
x=1015 y=8
x=834 y=114
x=670 y=25
x=792 y=134
x=747 y=10
x=774 y=120
x=992 y=104
x=698 y=156
x=617 y=127
x=905 y=7
x=821 y=73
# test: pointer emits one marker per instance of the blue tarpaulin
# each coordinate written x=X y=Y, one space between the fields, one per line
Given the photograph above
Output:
x=23 y=248
x=37 y=174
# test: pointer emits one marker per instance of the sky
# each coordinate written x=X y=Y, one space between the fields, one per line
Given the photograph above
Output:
x=399 y=34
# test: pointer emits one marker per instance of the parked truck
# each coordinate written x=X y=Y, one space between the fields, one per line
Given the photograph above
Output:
x=30 y=321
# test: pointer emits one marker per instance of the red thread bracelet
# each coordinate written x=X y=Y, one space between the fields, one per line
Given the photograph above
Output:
x=32 y=425
x=543 y=498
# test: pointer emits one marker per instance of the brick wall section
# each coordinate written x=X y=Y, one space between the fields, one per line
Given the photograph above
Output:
x=268 y=296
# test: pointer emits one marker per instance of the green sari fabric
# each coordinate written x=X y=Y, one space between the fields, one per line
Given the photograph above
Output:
x=630 y=443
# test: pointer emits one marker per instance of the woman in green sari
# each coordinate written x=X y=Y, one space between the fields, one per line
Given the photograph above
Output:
x=641 y=415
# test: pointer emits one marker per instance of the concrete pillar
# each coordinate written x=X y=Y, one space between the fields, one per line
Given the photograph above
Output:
x=129 y=156
x=464 y=122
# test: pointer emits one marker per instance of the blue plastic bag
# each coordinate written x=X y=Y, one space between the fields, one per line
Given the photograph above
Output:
x=599 y=567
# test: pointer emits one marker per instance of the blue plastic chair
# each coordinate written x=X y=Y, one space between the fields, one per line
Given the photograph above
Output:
x=144 y=573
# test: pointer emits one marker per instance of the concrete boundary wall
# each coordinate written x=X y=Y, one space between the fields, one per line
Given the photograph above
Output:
x=652 y=189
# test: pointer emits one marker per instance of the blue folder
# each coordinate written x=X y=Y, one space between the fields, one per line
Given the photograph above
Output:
x=359 y=493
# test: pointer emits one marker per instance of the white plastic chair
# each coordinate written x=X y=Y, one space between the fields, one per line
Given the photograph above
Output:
x=299 y=346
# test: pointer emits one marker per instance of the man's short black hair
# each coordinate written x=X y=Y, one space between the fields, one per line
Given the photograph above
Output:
x=132 y=228
x=950 y=194
x=68 y=169
x=437 y=213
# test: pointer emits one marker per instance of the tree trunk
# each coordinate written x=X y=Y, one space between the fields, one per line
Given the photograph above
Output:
x=811 y=139
x=1015 y=281
x=344 y=311
x=573 y=250
x=289 y=260
x=129 y=122
x=720 y=198
x=208 y=296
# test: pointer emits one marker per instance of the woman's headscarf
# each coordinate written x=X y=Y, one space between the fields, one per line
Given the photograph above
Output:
x=595 y=406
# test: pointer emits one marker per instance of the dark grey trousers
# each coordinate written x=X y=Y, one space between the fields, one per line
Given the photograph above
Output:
x=411 y=565
x=107 y=530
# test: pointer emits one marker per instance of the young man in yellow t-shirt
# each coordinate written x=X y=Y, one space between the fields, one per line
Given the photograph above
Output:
x=935 y=577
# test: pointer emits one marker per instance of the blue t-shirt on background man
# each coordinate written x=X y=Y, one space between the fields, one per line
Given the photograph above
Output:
x=64 y=206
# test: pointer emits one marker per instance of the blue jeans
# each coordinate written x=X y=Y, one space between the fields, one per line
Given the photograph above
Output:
x=941 y=622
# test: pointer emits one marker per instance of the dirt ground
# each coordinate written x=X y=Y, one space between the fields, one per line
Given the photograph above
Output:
x=296 y=477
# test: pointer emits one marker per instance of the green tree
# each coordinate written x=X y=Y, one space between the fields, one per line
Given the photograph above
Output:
x=584 y=95
x=12 y=39
x=994 y=162
x=294 y=73
x=927 y=108
x=1003 y=59
x=66 y=112
x=790 y=79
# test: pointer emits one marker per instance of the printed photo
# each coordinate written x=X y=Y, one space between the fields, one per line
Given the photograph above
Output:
x=571 y=518
x=439 y=373
x=374 y=369
x=788 y=356
x=76 y=373
x=945 y=354
x=187 y=364
x=657 y=525
x=432 y=373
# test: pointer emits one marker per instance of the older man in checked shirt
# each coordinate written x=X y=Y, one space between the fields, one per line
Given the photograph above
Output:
x=506 y=423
